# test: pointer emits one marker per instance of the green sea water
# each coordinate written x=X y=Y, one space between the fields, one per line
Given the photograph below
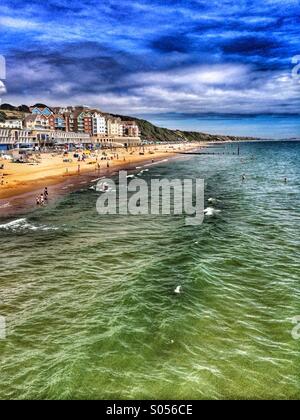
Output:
x=89 y=301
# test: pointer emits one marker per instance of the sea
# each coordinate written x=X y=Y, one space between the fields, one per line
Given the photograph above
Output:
x=88 y=308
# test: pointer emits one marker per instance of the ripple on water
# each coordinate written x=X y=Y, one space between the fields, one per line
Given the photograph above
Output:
x=90 y=303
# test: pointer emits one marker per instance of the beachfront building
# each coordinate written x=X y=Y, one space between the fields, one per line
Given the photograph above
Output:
x=39 y=110
x=60 y=123
x=17 y=124
x=130 y=129
x=23 y=137
x=99 y=124
x=128 y=141
x=70 y=121
x=114 y=127
x=7 y=139
x=10 y=139
x=87 y=123
x=37 y=122
x=57 y=122
x=79 y=122
x=70 y=138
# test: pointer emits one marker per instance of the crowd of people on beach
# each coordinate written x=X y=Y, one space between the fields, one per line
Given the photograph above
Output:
x=41 y=200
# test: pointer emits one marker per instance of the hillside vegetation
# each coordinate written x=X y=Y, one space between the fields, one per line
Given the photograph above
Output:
x=152 y=132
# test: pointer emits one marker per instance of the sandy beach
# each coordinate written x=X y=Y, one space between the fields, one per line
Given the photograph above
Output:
x=20 y=182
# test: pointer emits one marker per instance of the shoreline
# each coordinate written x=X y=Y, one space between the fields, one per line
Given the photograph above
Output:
x=20 y=199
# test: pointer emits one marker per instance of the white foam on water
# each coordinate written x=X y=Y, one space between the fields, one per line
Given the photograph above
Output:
x=210 y=211
x=178 y=290
x=213 y=200
x=20 y=225
x=156 y=163
x=142 y=171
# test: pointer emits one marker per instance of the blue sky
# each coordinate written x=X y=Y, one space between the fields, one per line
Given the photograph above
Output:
x=182 y=59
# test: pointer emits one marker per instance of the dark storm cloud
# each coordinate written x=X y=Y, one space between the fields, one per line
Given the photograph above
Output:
x=172 y=43
x=252 y=45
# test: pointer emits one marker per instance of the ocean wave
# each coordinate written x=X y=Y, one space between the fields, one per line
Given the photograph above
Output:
x=21 y=225
x=142 y=172
x=156 y=163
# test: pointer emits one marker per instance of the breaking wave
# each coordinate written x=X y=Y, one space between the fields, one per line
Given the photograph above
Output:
x=21 y=225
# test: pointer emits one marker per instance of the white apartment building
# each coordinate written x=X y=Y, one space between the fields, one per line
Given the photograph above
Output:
x=99 y=124
x=17 y=124
x=114 y=127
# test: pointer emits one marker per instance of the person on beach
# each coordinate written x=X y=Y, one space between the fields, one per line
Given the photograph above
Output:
x=38 y=203
x=46 y=193
x=42 y=199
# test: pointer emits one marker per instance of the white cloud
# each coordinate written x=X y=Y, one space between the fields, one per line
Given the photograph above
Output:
x=18 y=24
x=196 y=75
